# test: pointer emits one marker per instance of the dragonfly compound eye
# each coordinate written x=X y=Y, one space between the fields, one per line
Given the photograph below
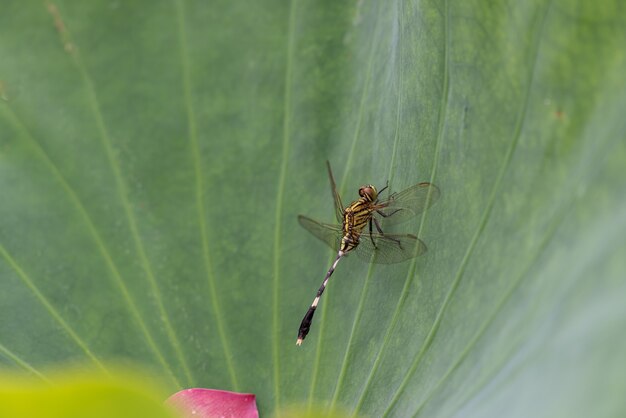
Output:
x=368 y=192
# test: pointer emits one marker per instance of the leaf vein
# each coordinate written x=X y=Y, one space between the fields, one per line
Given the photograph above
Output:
x=348 y=163
x=483 y=222
x=22 y=363
x=361 y=304
x=30 y=284
x=193 y=134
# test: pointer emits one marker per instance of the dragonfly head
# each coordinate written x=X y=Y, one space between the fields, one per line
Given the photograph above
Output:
x=369 y=192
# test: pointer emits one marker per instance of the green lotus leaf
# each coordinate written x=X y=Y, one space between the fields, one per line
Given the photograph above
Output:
x=154 y=157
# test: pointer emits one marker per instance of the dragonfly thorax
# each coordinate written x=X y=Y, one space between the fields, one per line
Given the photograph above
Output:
x=356 y=216
x=368 y=192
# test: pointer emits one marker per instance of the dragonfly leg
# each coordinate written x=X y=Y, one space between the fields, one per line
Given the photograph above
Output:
x=384 y=188
x=384 y=215
x=377 y=227
x=380 y=231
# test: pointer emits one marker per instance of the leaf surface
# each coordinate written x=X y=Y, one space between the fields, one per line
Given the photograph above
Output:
x=154 y=157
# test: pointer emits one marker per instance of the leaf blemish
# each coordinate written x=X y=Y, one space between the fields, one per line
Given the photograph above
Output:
x=60 y=27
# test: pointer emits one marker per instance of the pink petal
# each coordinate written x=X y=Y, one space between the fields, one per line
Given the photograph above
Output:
x=210 y=403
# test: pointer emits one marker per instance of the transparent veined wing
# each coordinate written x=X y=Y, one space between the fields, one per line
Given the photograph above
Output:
x=389 y=248
x=408 y=203
x=327 y=233
x=336 y=197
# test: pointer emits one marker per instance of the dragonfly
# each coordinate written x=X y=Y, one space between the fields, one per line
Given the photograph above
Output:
x=347 y=235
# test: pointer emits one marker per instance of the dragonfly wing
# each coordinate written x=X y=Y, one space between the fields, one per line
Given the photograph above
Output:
x=389 y=248
x=336 y=197
x=330 y=234
x=409 y=203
